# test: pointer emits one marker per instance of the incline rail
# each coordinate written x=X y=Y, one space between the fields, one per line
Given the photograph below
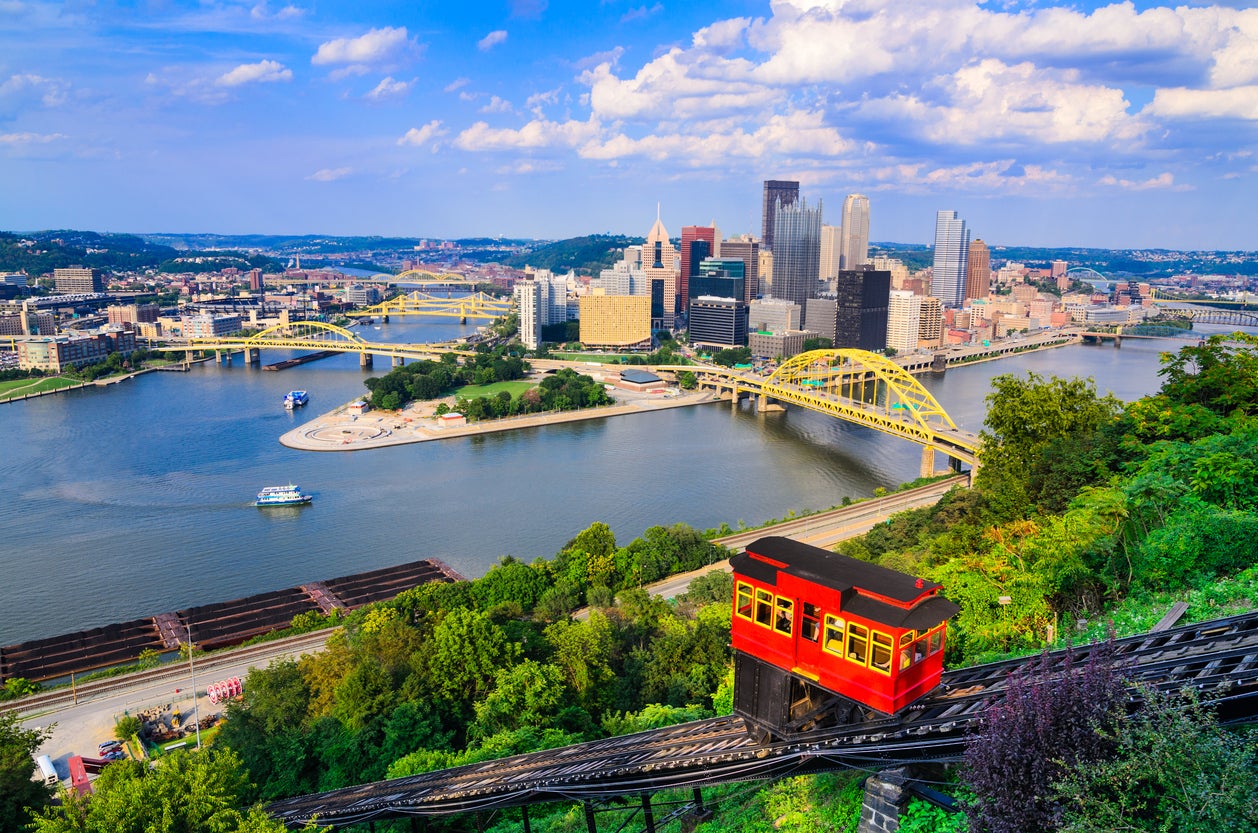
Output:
x=1218 y=658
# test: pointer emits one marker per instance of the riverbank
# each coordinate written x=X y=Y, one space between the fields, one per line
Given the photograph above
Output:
x=339 y=430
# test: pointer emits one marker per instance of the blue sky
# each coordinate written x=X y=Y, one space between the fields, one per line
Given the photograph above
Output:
x=1125 y=125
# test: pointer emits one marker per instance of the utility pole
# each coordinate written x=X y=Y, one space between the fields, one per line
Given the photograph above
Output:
x=196 y=713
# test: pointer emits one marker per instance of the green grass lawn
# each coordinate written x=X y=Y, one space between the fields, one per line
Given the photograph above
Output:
x=20 y=387
x=514 y=388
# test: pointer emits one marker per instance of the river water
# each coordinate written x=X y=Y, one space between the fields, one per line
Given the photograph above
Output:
x=136 y=498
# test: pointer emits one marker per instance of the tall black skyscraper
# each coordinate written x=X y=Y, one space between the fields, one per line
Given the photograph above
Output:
x=864 y=296
x=776 y=191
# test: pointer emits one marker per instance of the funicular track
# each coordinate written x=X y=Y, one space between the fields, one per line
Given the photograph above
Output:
x=1218 y=658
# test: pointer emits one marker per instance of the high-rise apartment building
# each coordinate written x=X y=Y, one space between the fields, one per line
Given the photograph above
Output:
x=747 y=249
x=75 y=279
x=532 y=309
x=697 y=243
x=660 y=263
x=978 y=270
x=854 y=251
x=862 y=296
x=904 y=320
x=777 y=193
x=831 y=249
x=952 y=244
x=797 y=252
x=930 y=325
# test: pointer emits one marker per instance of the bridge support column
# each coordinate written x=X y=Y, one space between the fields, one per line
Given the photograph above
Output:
x=928 y=461
x=648 y=815
x=385 y=319
x=223 y=357
x=187 y=358
x=700 y=813
x=364 y=361
x=253 y=355
x=399 y=361
x=590 y=824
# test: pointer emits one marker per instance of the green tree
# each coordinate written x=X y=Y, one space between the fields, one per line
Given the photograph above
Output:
x=528 y=694
x=1024 y=415
x=1174 y=771
x=127 y=727
x=466 y=652
x=18 y=792
x=194 y=792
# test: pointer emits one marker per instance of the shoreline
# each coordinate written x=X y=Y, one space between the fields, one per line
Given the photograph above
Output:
x=338 y=430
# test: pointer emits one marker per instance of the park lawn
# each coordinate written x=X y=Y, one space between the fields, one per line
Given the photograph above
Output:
x=515 y=388
x=21 y=387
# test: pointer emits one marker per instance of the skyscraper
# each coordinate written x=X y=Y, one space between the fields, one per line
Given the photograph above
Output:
x=776 y=192
x=854 y=250
x=952 y=244
x=831 y=249
x=746 y=249
x=692 y=256
x=659 y=263
x=863 y=297
x=978 y=270
x=797 y=253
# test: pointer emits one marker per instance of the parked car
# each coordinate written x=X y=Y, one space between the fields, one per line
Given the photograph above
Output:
x=115 y=754
x=109 y=746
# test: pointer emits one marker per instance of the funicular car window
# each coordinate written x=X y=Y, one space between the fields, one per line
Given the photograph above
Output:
x=810 y=624
x=857 y=643
x=764 y=607
x=743 y=601
x=936 y=639
x=834 y=635
x=906 y=650
x=785 y=615
x=880 y=657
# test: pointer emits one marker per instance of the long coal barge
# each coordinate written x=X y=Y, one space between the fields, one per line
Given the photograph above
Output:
x=1218 y=658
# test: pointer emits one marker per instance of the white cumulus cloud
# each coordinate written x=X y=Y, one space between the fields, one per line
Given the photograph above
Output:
x=423 y=135
x=375 y=47
x=491 y=40
x=261 y=72
x=389 y=88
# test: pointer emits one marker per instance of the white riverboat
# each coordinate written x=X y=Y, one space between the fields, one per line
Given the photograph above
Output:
x=289 y=495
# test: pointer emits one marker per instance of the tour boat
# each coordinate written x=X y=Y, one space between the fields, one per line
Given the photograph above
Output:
x=295 y=399
x=289 y=495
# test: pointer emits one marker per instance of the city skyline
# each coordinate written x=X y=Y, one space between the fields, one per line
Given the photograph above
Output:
x=1124 y=126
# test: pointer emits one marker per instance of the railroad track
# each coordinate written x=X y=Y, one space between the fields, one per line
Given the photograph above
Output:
x=83 y=692
x=1218 y=658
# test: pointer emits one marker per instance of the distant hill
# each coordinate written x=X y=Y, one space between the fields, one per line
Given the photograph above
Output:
x=588 y=254
x=38 y=253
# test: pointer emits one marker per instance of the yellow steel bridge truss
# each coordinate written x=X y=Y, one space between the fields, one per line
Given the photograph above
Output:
x=312 y=335
x=478 y=305
x=860 y=387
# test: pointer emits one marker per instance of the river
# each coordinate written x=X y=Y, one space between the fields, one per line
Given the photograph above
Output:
x=136 y=498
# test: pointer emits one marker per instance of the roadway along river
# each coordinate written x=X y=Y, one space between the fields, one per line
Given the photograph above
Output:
x=136 y=499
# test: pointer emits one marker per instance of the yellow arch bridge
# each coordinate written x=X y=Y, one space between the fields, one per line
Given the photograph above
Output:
x=856 y=386
x=314 y=336
x=478 y=305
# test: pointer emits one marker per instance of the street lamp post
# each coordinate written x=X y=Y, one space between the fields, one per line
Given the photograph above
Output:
x=196 y=713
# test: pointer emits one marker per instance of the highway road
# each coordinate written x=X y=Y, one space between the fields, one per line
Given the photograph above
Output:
x=84 y=717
